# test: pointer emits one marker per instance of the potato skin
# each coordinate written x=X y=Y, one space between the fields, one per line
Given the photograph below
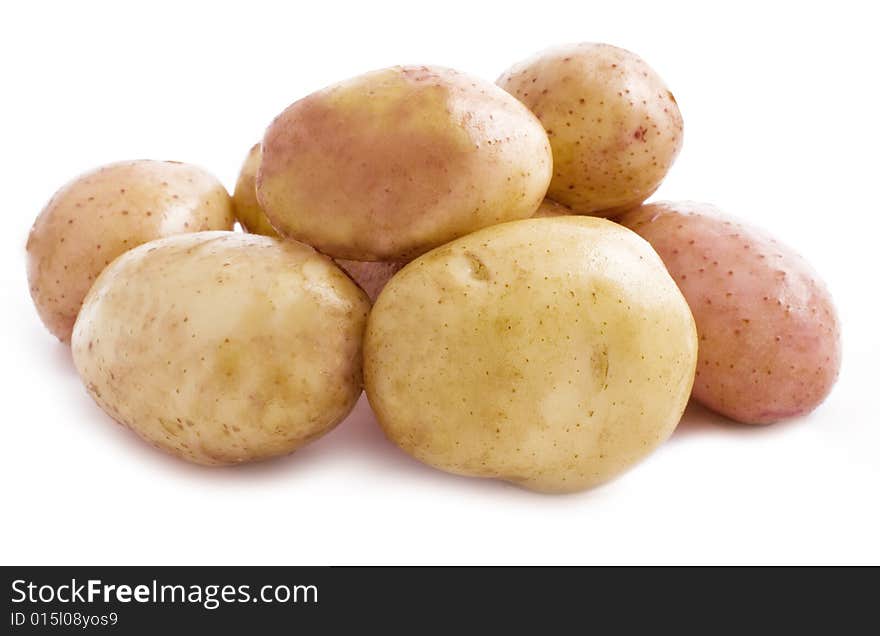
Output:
x=222 y=347
x=370 y=276
x=390 y=164
x=614 y=126
x=769 y=334
x=101 y=214
x=247 y=208
x=549 y=207
x=553 y=353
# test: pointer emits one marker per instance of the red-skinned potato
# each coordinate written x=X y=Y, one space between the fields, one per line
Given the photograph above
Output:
x=614 y=127
x=371 y=276
x=769 y=333
x=103 y=213
x=390 y=164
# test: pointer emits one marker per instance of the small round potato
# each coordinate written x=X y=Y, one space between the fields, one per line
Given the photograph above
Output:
x=98 y=216
x=370 y=276
x=614 y=127
x=388 y=165
x=769 y=333
x=221 y=347
x=553 y=353
x=247 y=208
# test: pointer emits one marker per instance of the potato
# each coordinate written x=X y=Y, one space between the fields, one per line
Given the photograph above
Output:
x=549 y=207
x=247 y=208
x=388 y=165
x=222 y=347
x=769 y=334
x=614 y=127
x=553 y=353
x=98 y=216
x=370 y=276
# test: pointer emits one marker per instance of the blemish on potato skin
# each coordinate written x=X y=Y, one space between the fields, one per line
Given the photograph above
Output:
x=599 y=362
x=478 y=269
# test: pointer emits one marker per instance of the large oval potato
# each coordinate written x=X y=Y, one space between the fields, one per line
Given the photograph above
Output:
x=553 y=353
x=370 y=276
x=98 y=216
x=388 y=165
x=769 y=333
x=221 y=347
x=614 y=127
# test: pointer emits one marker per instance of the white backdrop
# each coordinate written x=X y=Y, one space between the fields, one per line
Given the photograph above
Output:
x=781 y=127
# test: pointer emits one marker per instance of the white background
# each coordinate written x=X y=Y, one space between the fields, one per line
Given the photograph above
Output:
x=781 y=126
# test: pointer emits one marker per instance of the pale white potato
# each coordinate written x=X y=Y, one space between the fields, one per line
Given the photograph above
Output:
x=221 y=347
x=101 y=214
x=553 y=353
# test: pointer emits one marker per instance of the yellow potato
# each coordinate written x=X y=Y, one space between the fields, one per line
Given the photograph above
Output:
x=388 y=165
x=247 y=208
x=221 y=347
x=98 y=216
x=614 y=127
x=553 y=353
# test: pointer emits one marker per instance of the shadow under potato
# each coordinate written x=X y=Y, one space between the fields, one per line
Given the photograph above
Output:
x=360 y=436
x=698 y=420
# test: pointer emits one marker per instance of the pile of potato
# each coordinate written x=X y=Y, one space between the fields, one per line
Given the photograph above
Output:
x=443 y=243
